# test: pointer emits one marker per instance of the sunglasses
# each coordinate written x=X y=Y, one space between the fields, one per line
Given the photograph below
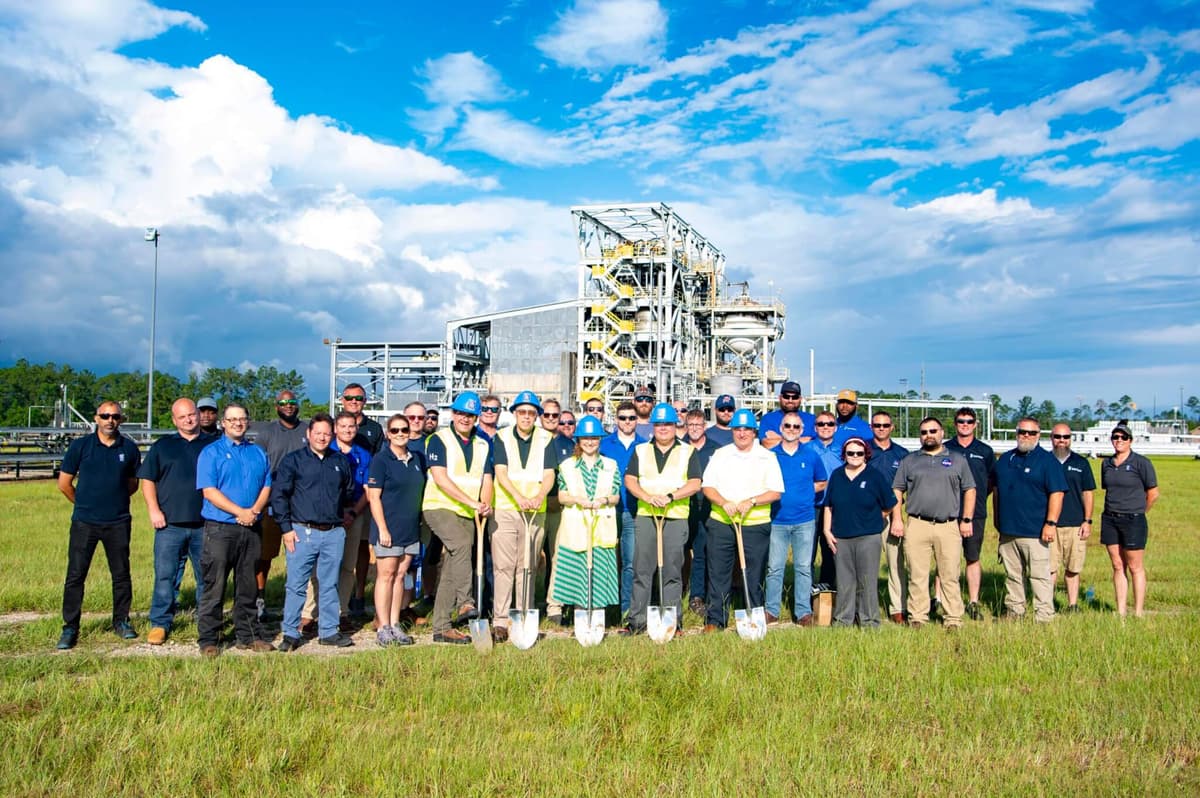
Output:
x=933 y=431
x=626 y=418
x=398 y=430
x=1028 y=432
x=881 y=426
x=789 y=396
x=431 y=416
x=826 y=424
x=288 y=402
x=418 y=418
x=724 y=409
x=1115 y=437
x=643 y=398
x=1061 y=437
x=550 y=415
x=355 y=398
x=567 y=422
x=792 y=426
x=488 y=409
x=594 y=408
x=109 y=416
x=855 y=454
x=964 y=421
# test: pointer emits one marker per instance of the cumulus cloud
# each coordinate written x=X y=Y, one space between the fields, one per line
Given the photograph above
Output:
x=600 y=34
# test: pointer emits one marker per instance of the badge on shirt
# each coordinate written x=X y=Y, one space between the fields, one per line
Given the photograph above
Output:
x=947 y=462
x=862 y=484
x=1026 y=469
x=121 y=457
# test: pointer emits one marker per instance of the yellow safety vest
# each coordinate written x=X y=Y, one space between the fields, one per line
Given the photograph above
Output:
x=669 y=480
x=573 y=528
x=469 y=481
x=527 y=478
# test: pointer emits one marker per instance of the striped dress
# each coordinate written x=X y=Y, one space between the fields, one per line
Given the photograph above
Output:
x=571 y=575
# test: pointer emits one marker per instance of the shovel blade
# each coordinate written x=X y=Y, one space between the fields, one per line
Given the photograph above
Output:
x=758 y=619
x=481 y=636
x=660 y=623
x=589 y=627
x=745 y=627
x=523 y=628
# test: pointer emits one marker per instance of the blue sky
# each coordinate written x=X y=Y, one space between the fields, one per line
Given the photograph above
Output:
x=1004 y=192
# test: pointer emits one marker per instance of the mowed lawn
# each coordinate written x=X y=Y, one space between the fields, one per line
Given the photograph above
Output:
x=1088 y=705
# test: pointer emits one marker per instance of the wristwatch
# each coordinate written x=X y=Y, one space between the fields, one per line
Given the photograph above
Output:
x=671 y=496
x=966 y=519
x=1051 y=522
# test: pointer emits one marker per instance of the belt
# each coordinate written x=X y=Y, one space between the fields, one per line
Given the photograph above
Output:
x=322 y=527
x=930 y=518
x=1123 y=515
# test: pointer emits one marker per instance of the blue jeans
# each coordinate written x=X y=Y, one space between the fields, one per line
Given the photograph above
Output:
x=173 y=547
x=322 y=551
x=799 y=537
x=627 y=549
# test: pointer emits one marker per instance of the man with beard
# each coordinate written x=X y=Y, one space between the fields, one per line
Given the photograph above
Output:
x=1029 y=497
x=98 y=475
x=982 y=461
x=431 y=421
x=206 y=412
x=937 y=488
x=277 y=438
x=789 y=402
x=849 y=425
x=720 y=433
x=643 y=403
x=1075 y=522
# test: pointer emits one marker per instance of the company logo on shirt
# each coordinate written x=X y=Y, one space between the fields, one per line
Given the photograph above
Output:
x=121 y=457
x=947 y=462
x=973 y=456
x=1076 y=470
x=862 y=484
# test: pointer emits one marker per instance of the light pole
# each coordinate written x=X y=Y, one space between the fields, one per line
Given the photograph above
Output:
x=152 y=236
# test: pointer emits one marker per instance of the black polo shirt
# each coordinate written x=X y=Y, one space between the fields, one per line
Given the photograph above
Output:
x=402 y=486
x=311 y=489
x=102 y=477
x=1125 y=485
x=982 y=460
x=171 y=466
x=370 y=435
x=1078 y=472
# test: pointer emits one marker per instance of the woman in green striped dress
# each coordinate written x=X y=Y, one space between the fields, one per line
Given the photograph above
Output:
x=588 y=489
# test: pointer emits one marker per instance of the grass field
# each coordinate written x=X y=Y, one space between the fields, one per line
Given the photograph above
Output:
x=1088 y=705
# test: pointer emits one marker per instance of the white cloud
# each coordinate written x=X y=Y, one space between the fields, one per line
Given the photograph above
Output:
x=1170 y=121
x=502 y=136
x=342 y=224
x=1170 y=335
x=981 y=207
x=600 y=34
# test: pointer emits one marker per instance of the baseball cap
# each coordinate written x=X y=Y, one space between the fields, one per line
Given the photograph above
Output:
x=206 y=402
x=847 y=396
x=791 y=387
x=723 y=401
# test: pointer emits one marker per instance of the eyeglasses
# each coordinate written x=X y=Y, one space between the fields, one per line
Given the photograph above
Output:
x=789 y=396
x=626 y=418
x=398 y=430
x=724 y=409
x=433 y=415
x=826 y=423
x=109 y=416
x=489 y=409
x=237 y=420
x=1028 y=432
x=964 y=421
x=792 y=426
x=283 y=402
x=566 y=422
x=1115 y=437
x=594 y=408
x=418 y=417
x=551 y=415
x=881 y=426
x=1066 y=437
x=358 y=397
x=933 y=431
x=850 y=453
x=643 y=398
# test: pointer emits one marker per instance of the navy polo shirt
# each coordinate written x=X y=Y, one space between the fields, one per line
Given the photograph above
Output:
x=721 y=437
x=171 y=466
x=1078 y=472
x=370 y=435
x=239 y=470
x=886 y=461
x=798 y=504
x=311 y=489
x=700 y=506
x=102 y=477
x=402 y=486
x=858 y=504
x=982 y=460
x=1024 y=483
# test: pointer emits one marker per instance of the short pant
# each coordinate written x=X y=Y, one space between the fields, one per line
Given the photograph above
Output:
x=973 y=546
x=1129 y=531
x=397 y=551
x=1067 y=550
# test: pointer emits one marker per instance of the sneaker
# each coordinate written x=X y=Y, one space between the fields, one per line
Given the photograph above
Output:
x=290 y=644
x=157 y=636
x=124 y=630
x=973 y=611
x=697 y=605
x=308 y=628
x=337 y=641
x=402 y=638
x=1071 y=609
x=385 y=636
x=70 y=636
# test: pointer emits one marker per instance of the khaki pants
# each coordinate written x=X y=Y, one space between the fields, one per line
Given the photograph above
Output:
x=508 y=562
x=941 y=543
x=897 y=571
x=1016 y=553
x=457 y=535
x=355 y=533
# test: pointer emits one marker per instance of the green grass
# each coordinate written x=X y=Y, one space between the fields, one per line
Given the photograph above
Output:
x=1088 y=705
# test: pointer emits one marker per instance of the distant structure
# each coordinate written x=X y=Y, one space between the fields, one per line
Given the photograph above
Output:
x=652 y=307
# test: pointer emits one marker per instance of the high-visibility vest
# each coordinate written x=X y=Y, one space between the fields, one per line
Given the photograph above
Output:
x=574 y=526
x=526 y=478
x=669 y=480
x=469 y=481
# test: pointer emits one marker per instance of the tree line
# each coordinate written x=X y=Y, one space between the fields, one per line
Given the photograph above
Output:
x=29 y=391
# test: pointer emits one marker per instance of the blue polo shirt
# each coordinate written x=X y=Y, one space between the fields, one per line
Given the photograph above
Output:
x=1078 y=472
x=886 y=461
x=1024 y=483
x=313 y=489
x=401 y=485
x=981 y=459
x=798 y=504
x=612 y=448
x=854 y=427
x=171 y=466
x=830 y=455
x=239 y=470
x=771 y=423
x=102 y=477
x=858 y=504
x=360 y=460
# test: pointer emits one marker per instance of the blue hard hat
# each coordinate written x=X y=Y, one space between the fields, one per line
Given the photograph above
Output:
x=466 y=402
x=589 y=427
x=743 y=419
x=527 y=398
x=663 y=413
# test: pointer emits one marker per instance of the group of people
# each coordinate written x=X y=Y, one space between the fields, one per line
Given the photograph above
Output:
x=665 y=504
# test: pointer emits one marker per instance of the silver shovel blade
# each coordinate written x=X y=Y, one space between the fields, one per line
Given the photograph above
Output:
x=657 y=623
x=589 y=627
x=523 y=628
x=745 y=627
x=597 y=626
x=481 y=635
x=758 y=619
